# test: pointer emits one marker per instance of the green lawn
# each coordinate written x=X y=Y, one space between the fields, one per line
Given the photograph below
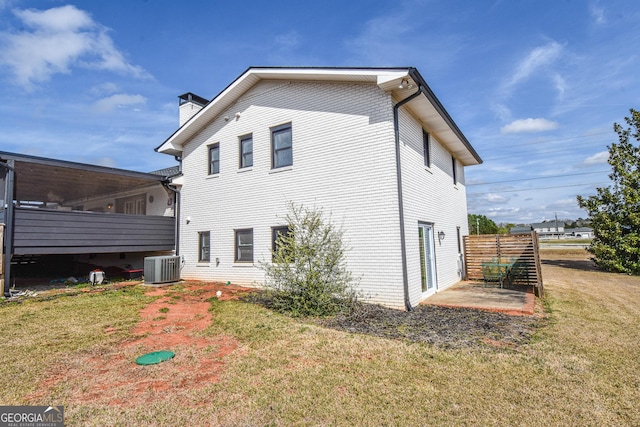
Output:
x=582 y=367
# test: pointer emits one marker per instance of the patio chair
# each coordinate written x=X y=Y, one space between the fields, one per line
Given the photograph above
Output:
x=520 y=273
x=492 y=273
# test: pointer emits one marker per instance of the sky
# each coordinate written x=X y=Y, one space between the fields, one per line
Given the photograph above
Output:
x=534 y=85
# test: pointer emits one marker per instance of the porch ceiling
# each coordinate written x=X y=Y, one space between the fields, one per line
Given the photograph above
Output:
x=47 y=180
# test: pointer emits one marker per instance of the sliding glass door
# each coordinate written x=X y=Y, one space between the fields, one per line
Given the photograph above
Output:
x=427 y=257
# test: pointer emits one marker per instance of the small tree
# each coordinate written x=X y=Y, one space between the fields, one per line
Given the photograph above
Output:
x=308 y=275
x=480 y=224
x=615 y=210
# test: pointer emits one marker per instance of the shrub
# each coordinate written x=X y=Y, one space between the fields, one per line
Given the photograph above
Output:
x=308 y=275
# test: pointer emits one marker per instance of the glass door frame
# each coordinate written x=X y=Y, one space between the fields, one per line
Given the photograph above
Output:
x=427 y=253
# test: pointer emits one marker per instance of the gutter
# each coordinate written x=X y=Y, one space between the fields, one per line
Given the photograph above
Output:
x=403 y=239
x=176 y=212
x=428 y=93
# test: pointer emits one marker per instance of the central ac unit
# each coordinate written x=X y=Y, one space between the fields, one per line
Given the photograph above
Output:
x=162 y=269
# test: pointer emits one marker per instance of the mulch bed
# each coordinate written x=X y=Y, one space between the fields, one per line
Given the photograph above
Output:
x=440 y=326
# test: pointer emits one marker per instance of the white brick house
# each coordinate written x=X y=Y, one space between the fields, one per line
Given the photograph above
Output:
x=372 y=147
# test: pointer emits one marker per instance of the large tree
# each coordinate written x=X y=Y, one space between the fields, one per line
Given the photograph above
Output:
x=615 y=210
x=480 y=224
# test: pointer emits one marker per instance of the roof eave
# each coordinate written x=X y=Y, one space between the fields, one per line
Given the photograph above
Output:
x=387 y=79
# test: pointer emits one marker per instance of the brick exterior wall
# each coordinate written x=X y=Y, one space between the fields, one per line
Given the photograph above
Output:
x=343 y=162
x=430 y=196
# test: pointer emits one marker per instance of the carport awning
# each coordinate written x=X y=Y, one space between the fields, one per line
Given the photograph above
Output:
x=47 y=180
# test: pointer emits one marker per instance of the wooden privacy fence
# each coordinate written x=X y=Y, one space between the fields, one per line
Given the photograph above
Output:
x=523 y=248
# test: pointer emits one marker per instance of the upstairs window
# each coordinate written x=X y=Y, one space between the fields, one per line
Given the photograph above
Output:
x=214 y=159
x=281 y=146
x=246 y=151
x=455 y=172
x=426 y=148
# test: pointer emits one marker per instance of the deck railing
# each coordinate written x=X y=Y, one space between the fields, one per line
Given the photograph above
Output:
x=43 y=231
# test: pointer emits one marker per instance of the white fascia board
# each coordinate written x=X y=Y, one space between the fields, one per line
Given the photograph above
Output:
x=392 y=77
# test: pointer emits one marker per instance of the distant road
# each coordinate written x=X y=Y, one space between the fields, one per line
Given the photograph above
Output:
x=544 y=245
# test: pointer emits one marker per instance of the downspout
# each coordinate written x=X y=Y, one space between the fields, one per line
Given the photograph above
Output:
x=9 y=223
x=176 y=212
x=396 y=128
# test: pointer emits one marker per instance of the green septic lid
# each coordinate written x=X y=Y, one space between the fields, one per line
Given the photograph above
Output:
x=155 y=357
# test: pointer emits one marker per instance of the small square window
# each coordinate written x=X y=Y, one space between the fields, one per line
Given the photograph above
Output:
x=244 y=245
x=246 y=151
x=281 y=146
x=214 y=159
x=204 y=244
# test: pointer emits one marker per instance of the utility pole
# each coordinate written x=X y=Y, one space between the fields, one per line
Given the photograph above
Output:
x=477 y=225
x=557 y=229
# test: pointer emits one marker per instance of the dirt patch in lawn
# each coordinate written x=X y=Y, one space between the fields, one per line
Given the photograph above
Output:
x=176 y=321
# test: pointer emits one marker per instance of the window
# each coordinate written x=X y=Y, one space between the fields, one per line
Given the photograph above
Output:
x=246 y=151
x=204 y=254
x=454 y=167
x=281 y=146
x=214 y=159
x=132 y=205
x=276 y=232
x=244 y=245
x=426 y=148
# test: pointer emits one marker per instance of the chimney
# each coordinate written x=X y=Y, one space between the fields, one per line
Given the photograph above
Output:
x=190 y=104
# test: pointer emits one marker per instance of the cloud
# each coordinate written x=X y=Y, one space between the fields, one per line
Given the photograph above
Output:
x=54 y=41
x=118 y=100
x=391 y=39
x=289 y=40
x=502 y=111
x=529 y=125
x=560 y=84
x=383 y=39
x=538 y=58
x=104 y=89
x=597 y=159
x=496 y=198
x=106 y=161
x=597 y=13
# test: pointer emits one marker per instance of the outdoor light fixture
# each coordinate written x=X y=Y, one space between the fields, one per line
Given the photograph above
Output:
x=405 y=84
x=441 y=235
x=109 y=205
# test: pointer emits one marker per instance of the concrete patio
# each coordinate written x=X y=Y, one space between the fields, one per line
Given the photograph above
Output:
x=519 y=301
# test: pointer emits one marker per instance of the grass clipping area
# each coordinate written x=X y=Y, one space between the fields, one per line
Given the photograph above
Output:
x=580 y=367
